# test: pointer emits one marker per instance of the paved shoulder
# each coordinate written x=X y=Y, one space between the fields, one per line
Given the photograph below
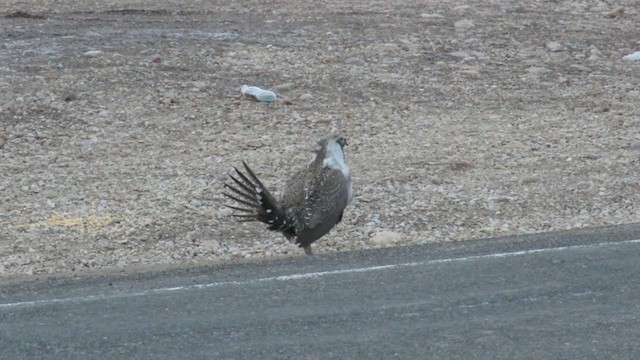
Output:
x=562 y=295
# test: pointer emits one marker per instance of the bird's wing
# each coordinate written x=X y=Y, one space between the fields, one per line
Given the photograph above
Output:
x=296 y=195
x=294 y=189
x=328 y=196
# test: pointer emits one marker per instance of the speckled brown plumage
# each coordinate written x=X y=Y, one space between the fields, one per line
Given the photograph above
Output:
x=312 y=202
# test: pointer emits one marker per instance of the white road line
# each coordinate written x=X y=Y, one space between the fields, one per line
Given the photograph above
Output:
x=312 y=275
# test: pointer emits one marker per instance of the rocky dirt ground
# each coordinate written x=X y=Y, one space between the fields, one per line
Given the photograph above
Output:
x=466 y=119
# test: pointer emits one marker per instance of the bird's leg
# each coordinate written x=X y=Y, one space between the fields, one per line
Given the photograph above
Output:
x=307 y=249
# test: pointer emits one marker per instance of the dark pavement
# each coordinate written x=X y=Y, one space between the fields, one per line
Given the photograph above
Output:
x=573 y=295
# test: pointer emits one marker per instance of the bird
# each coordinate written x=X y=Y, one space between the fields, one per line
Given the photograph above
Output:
x=312 y=202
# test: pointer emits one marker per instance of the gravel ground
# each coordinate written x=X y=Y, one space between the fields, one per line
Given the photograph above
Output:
x=466 y=119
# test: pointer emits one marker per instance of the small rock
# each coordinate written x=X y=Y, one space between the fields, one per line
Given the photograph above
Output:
x=580 y=67
x=287 y=100
x=408 y=45
x=431 y=16
x=306 y=97
x=190 y=237
x=223 y=212
x=594 y=53
x=463 y=24
x=554 y=46
x=616 y=12
x=471 y=70
x=461 y=9
x=122 y=261
x=169 y=244
x=284 y=87
x=89 y=142
x=211 y=245
x=191 y=252
x=538 y=70
x=200 y=86
x=156 y=59
x=87 y=262
x=92 y=53
x=385 y=238
x=460 y=54
x=70 y=97
x=386 y=48
x=169 y=97
x=632 y=57
x=437 y=45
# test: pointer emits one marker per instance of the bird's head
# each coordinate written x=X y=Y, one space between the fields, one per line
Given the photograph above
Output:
x=326 y=143
x=330 y=153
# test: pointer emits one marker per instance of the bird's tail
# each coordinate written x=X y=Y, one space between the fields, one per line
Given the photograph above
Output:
x=255 y=200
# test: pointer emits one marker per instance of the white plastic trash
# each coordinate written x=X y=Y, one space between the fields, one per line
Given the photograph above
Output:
x=258 y=94
x=632 y=57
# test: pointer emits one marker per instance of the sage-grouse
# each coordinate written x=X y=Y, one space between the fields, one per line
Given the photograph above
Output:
x=312 y=202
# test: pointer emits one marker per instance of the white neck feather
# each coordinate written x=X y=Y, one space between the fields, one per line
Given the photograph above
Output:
x=334 y=158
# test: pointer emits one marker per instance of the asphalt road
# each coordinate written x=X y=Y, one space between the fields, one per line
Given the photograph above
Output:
x=573 y=295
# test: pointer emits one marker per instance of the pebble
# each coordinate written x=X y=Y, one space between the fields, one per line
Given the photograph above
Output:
x=89 y=142
x=169 y=97
x=167 y=244
x=287 y=100
x=156 y=59
x=211 y=245
x=464 y=24
x=470 y=70
x=306 y=97
x=594 y=53
x=460 y=54
x=432 y=16
x=284 y=87
x=408 y=45
x=538 y=70
x=386 y=238
x=554 y=46
x=616 y=12
x=437 y=45
x=92 y=53
x=580 y=67
x=223 y=212
x=70 y=96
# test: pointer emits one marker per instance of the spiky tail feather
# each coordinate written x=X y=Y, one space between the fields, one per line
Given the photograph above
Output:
x=258 y=202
